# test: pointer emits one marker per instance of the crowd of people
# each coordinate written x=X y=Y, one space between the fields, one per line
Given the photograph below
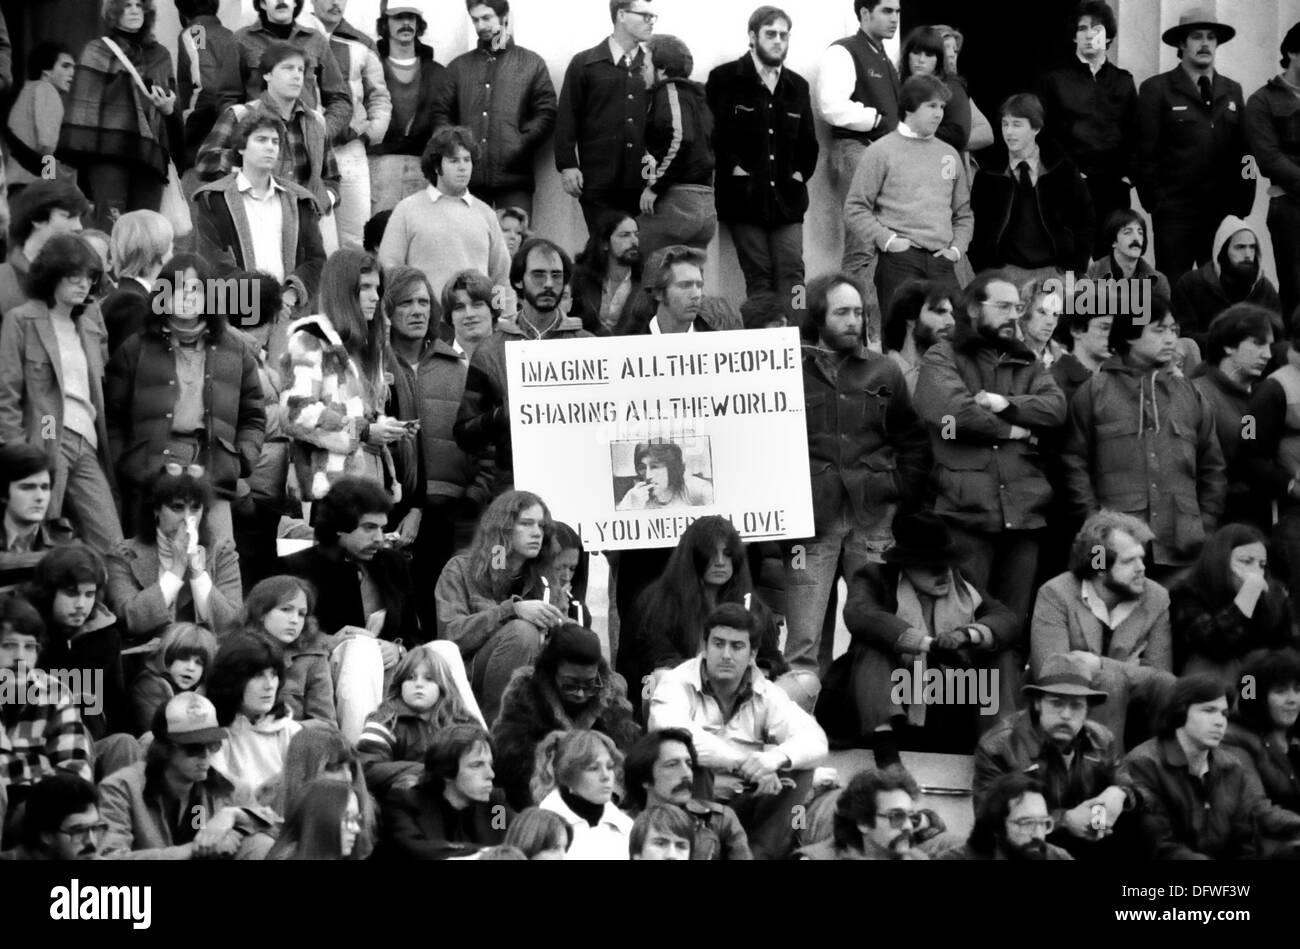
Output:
x=272 y=592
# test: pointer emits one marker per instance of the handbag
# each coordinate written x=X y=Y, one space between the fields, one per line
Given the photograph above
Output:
x=173 y=206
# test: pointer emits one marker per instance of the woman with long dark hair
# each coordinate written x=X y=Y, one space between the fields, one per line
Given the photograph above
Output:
x=324 y=824
x=336 y=383
x=923 y=55
x=709 y=567
x=494 y=599
x=1263 y=731
x=1227 y=606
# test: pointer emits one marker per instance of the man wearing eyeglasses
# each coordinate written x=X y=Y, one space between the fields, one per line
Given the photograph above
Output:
x=1012 y=823
x=61 y=821
x=986 y=400
x=600 y=128
x=876 y=818
x=1141 y=441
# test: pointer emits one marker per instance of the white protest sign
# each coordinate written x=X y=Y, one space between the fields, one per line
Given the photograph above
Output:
x=629 y=439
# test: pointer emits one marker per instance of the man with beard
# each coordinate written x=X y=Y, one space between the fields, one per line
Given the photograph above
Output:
x=503 y=94
x=986 y=400
x=1191 y=147
x=1197 y=802
x=61 y=821
x=445 y=229
x=921 y=315
x=539 y=273
x=1141 y=441
x=1076 y=759
x=1012 y=824
x=607 y=288
x=1233 y=275
x=766 y=150
x=660 y=769
x=1108 y=616
x=867 y=455
x=875 y=818
x=1238 y=351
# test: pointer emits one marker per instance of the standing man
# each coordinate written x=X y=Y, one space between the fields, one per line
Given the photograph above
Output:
x=987 y=400
x=372 y=108
x=207 y=77
x=857 y=96
x=766 y=150
x=920 y=315
x=600 y=128
x=1273 y=134
x=867 y=454
x=1091 y=107
x=503 y=94
x=1191 y=147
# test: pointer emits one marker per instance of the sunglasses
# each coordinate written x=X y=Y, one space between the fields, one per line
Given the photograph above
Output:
x=899 y=818
x=175 y=469
x=1030 y=824
x=199 y=749
x=580 y=686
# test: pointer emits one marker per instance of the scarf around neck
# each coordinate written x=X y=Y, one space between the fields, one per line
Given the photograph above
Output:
x=953 y=611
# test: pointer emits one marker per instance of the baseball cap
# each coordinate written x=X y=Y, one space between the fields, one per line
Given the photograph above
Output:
x=191 y=719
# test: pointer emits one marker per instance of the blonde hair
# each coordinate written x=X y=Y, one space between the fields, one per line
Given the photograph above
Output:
x=450 y=709
x=562 y=756
x=140 y=241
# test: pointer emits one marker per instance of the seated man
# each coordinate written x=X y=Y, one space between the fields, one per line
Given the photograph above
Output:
x=1197 y=802
x=61 y=822
x=569 y=686
x=918 y=612
x=41 y=731
x=1105 y=606
x=755 y=743
x=1012 y=823
x=1076 y=759
x=876 y=818
x=659 y=771
x=662 y=832
x=25 y=534
x=1234 y=275
x=151 y=806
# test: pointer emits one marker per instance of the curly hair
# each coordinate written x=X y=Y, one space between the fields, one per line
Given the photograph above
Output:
x=62 y=568
x=857 y=802
x=1098 y=534
x=990 y=820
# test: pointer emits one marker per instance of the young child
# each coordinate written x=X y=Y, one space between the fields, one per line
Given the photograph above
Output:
x=280 y=609
x=179 y=664
x=422 y=699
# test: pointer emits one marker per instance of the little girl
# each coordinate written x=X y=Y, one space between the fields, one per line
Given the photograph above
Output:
x=422 y=699
x=280 y=609
x=179 y=664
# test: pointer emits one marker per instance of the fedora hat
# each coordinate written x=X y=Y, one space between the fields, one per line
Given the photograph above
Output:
x=1063 y=674
x=923 y=540
x=1196 y=20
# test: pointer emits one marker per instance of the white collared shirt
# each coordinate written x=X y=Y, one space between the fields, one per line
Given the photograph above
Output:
x=435 y=195
x=656 y=331
x=1035 y=166
x=767 y=75
x=266 y=226
x=1087 y=62
x=617 y=52
x=1093 y=601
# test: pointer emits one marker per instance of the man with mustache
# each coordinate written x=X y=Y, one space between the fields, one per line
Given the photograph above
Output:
x=986 y=399
x=503 y=94
x=921 y=315
x=875 y=819
x=1123 y=237
x=1141 y=441
x=1191 y=147
x=1075 y=758
x=61 y=821
x=756 y=745
x=371 y=111
x=1235 y=274
x=1197 y=802
x=1012 y=824
x=766 y=150
x=607 y=276
x=660 y=769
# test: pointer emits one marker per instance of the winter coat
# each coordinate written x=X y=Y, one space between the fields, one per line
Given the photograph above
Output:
x=95 y=648
x=1273 y=765
x=126 y=311
x=531 y=708
x=610 y=839
x=218 y=82
x=718 y=832
x=1143 y=443
x=1220 y=633
x=31 y=382
x=866 y=447
x=1106 y=269
x=140 y=393
x=1190 y=157
x=393 y=745
x=588 y=289
x=338 y=590
x=135 y=596
x=422 y=825
x=363 y=76
x=1092 y=117
x=677 y=136
x=986 y=481
x=308 y=685
x=1064 y=206
x=506 y=99
x=412 y=139
x=324 y=89
x=151 y=689
x=469 y=613
x=252 y=755
x=1222 y=816
x=1273 y=134
x=600 y=122
x=770 y=135
x=1199 y=295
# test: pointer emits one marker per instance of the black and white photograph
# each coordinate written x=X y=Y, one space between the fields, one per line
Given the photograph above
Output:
x=652 y=475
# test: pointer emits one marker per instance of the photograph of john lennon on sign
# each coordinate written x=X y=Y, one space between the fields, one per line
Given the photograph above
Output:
x=660 y=473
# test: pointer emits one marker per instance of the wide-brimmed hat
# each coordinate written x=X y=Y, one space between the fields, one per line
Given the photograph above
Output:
x=1064 y=674
x=923 y=540
x=1196 y=20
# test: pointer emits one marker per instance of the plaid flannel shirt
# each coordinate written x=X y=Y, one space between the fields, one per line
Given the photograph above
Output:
x=42 y=732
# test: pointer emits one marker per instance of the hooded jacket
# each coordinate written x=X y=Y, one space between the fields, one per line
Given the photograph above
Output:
x=1142 y=442
x=531 y=708
x=984 y=479
x=252 y=755
x=1200 y=296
